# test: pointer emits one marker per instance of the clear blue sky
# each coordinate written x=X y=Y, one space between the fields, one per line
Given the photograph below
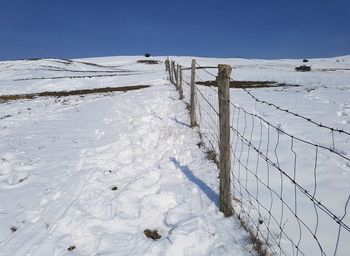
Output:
x=222 y=28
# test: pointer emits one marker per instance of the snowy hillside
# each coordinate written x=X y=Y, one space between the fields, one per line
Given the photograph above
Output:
x=28 y=76
x=88 y=174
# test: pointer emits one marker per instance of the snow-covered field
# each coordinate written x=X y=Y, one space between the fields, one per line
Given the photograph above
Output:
x=30 y=76
x=266 y=140
x=93 y=172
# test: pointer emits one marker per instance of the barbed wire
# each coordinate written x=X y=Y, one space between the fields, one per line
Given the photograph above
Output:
x=205 y=70
x=331 y=129
x=311 y=197
x=316 y=203
x=206 y=113
x=269 y=197
x=295 y=137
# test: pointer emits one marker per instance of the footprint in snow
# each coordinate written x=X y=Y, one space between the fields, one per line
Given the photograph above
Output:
x=341 y=113
x=98 y=134
x=17 y=178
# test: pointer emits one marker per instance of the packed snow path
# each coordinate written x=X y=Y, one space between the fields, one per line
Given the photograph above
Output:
x=87 y=175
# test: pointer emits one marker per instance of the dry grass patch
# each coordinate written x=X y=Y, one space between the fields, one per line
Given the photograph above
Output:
x=151 y=62
x=7 y=98
x=247 y=84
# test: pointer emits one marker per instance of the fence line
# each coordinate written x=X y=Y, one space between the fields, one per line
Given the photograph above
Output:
x=278 y=185
x=331 y=129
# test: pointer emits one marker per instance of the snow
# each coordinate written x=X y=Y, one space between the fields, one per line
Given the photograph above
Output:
x=28 y=76
x=323 y=96
x=61 y=157
x=70 y=152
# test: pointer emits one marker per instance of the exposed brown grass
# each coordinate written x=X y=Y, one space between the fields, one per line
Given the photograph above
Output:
x=257 y=244
x=331 y=69
x=5 y=116
x=303 y=68
x=246 y=84
x=116 y=73
x=151 y=62
x=6 y=98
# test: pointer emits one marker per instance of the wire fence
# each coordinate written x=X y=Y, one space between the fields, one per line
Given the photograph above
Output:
x=286 y=189
x=207 y=112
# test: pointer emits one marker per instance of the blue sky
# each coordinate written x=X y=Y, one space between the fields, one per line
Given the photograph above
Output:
x=222 y=28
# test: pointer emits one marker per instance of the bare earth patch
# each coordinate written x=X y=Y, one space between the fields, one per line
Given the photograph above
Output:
x=71 y=248
x=247 y=84
x=6 y=98
x=153 y=234
x=151 y=62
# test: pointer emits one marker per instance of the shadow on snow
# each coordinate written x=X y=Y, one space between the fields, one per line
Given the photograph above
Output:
x=210 y=193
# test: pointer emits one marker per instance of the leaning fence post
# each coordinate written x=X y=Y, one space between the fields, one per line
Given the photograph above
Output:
x=181 y=92
x=223 y=82
x=167 y=65
x=193 y=94
x=167 y=68
x=171 y=71
x=175 y=75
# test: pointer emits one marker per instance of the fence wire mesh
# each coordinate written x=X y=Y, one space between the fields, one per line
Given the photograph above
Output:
x=207 y=115
x=280 y=184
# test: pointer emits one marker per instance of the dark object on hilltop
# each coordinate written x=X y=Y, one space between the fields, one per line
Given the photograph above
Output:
x=305 y=60
x=147 y=55
x=303 y=68
x=149 y=61
x=152 y=234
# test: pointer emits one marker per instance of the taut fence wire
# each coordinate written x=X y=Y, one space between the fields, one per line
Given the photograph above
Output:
x=282 y=185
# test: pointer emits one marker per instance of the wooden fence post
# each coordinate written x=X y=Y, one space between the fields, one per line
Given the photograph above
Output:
x=175 y=75
x=167 y=65
x=171 y=71
x=193 y=95
x=181 y=92
x=223 y=82
x=166 y=62
x=172 y=64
